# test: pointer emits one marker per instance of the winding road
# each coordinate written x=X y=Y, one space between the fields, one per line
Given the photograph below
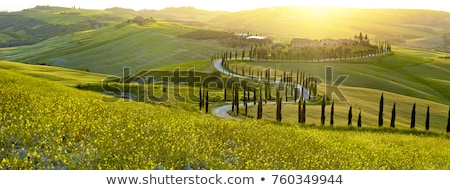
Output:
x=222 y=111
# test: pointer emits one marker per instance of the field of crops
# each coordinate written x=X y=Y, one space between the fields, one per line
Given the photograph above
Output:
x=45 y=125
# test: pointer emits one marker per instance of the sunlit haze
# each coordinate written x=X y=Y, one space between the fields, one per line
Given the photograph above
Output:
x=442 y=5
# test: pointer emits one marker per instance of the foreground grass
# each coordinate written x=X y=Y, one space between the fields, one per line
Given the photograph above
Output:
x=65 y=128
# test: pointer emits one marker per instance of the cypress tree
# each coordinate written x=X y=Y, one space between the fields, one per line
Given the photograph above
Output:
x=259 y=115
x=295 y=94
x=278 y=106
x=207 y=101
x=225 y=94
x=322 y=115
x=254 y=96
x=245 y=101
x=300 y=111
x=448 y=120
x=350 y=116
x=232 y=98
x=380 y=113
x=332 y=115
x=304 y=112
x=393 y=116
x=427 y=121
x=359 y=119
x=280 y=109
x=200 y=99
x=286 y=92
x=413 y=117
x=237 y=100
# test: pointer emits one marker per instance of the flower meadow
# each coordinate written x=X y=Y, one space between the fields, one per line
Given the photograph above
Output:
x=45 y=125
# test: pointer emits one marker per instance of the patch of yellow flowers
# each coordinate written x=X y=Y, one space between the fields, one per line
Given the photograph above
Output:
x=47 y=126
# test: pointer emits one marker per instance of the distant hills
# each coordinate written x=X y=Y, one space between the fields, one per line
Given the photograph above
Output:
x=104 y=41
x=423 y=28
x=394 y=25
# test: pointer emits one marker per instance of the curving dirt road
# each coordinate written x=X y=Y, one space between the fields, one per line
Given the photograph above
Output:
x=222 y=111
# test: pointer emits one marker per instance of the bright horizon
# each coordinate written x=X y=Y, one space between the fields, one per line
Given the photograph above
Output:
x=439 y=5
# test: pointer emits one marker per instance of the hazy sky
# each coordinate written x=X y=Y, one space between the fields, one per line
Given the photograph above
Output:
x=234 y=5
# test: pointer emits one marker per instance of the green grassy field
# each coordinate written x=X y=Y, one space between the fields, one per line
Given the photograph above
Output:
x=109 y=49
x=410 y=72
x=80 y=131
x=64 y=76
x=366 y=101
x=66 y=16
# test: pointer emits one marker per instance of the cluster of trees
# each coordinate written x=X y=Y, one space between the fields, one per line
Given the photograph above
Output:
x=279 y=52
x=141 y=21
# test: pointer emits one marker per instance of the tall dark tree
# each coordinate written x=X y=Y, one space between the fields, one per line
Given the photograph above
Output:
x=207 y=102
x=232 y=98
x=200 y=102
x=393 y=116
x=259 y=115
x=237 y=100
x=332 y=115
x=278 y=106
x=304 y=112
x=413 y=117
x=380 y=113
x=225 y=94
x=359 y=119
x=246 y=101
x=448 y=120
x=322 y=115
x=350 y=116
x=427 y=120
x=254 y=96
x=300 y=112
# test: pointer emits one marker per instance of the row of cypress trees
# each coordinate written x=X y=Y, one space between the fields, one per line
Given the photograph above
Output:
x=413 y=116
x=204 y=102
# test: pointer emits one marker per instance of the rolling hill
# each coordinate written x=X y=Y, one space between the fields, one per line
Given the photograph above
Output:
x=42 y=22
x=393 y=25
x=108 y=50
x=60 y=75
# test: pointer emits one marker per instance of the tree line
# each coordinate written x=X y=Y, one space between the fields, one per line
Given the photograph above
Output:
x=288 y=86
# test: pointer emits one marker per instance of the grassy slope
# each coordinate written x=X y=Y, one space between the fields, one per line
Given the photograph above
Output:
x=79 y=131
x=411 y=72
x=66 y=16
x=61 y=75
x=366 y=100
x=406 y=77
x=110 y=49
